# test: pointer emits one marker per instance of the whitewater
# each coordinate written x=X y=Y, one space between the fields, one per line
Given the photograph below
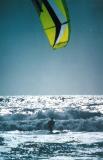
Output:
x=24 y=131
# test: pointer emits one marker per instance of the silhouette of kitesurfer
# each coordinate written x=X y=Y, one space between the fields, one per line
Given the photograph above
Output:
x=51 y=123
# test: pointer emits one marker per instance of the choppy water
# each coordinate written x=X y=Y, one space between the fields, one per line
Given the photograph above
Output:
x=24 y=134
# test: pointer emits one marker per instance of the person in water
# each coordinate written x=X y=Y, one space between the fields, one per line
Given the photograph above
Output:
x=51 y=123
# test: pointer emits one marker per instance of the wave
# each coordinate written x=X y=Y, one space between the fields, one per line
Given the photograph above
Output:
x=69 y=119
x=75 y=113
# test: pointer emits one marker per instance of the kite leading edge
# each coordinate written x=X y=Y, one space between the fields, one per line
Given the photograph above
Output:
x=54 y=17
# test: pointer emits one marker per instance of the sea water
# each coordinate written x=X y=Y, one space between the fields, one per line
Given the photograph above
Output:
x=78 y=130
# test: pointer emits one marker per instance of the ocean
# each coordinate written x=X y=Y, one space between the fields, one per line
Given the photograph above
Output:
x=78 y=130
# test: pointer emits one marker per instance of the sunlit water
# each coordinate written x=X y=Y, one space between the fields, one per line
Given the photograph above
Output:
x=78 y=132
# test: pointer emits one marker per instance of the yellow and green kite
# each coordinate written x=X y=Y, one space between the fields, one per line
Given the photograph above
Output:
x=54 y=17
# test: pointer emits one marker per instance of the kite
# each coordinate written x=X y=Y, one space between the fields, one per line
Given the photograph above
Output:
x=54 y=17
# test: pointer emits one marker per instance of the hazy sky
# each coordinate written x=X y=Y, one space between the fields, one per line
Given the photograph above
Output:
x=29 y=66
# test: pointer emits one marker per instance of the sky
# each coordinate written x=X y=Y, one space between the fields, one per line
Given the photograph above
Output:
x=29 y=66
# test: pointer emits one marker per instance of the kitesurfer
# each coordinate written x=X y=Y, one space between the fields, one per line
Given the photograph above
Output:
x=51 y=123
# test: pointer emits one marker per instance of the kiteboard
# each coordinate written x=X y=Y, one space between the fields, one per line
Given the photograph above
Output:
x=57 y=132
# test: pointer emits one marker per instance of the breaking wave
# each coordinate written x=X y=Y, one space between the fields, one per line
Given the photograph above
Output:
x=33 y=113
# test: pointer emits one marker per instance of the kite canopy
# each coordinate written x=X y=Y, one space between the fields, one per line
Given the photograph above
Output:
x=54 y=18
